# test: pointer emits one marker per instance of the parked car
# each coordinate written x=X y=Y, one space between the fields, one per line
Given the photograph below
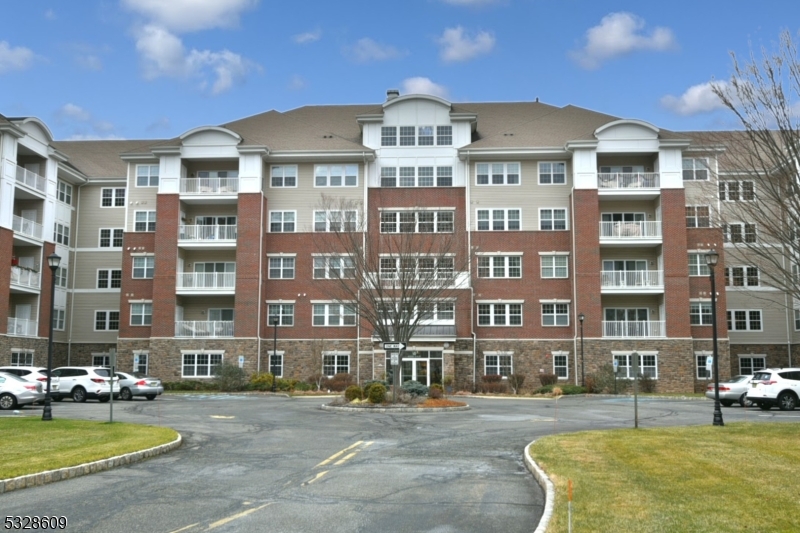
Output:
x=138 y=384
x=15 y=391
x=33 y=373
x=732 y=391
x=775 y=386
x=83 y=382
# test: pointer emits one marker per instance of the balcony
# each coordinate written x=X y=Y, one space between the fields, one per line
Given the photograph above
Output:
x=30 y=179
x=27 y=228
x=632 y=281
x=22 y=327
x=643 y=329
x=24 y=278
x=222 y=236
x=628 y=180
x=633 y=233
x=209 y=190
x=194 y=329
x=206 y=283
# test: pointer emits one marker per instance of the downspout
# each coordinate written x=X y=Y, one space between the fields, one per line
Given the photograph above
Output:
x=574 y=287
x=469 y=272
x=261 y=238
x=358 y=292
x=789 y=317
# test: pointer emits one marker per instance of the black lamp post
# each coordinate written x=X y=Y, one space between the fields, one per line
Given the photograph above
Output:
x=581 y=318
x=711 y=260
x=53 y=260
x=274 y=352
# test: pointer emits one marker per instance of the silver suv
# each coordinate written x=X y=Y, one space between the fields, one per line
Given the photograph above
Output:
x=775 y=386
x=82 y=382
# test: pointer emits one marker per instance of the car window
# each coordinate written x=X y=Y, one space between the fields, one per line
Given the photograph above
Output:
x=790 y=375
x=139 y=375
x=762 y=376
x=739 y=379
x=102 y=372
x=80 y=372
x=2 y=379
x=13 y=377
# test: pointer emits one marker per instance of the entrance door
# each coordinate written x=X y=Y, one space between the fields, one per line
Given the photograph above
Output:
x=422 y=366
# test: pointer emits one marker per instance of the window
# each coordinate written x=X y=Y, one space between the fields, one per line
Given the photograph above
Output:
x=500 y=314
x=334 y=315
x=388 y=136
x=220 y=315
x=388 y=177
x=552 y=173
x=201 y=365
x=140 y=361
x=112 y=197
x=284 y=176
x=498 y=364
x=61 y=234
x=282 y=221
x=144 y=267
x=417 y=221
x=141 y=314
x=444 y=176
x=437 y=312
x=741 y=276
x=281 y=267
x=334 y=267
x=417 y=176
x=555 y=314
x=106 y=320
x=702 y=370
x=648 y=365
x=283 y=312
x=698 y=216
x=332 y=221
x=276 y=364
x=335 y=363
x=552 y=219
x=59 y=319
x=108 y=278
x=797 y=319
x=748 y=365
x=555 y=266
x=501 y=219
x=64 y=193
x=336 y=176
x=695 y=169
x=744 y=320
x=499 y=266
x=111 y=238
x=497 y=174
x=412 y=267
x=407 y=176
x=737 y=191
x=101 y=360
x=147 y=175
x=700 y=314
x=698 y=265
x=740 y=232
x=561 y=364
x=444 y=135
x=22 y=358
x=144 y=221
x=425 y=135
x=407 y=137
x=61 y=277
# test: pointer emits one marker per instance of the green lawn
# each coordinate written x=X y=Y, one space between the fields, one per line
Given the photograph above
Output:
x=30 y=445
x=741 y=477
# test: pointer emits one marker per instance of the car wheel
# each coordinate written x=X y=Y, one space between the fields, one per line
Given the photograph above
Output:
x=744 y=401
x=150 y=396
x=78 y=395
x=726 y=403
x=7 y=401
x=787 y=401
x=125 y=394
x=103 y=399
x=764 y=406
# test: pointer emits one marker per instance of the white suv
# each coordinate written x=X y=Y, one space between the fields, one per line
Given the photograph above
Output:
x=82 y=382
x=775 y=386
x=33 y=374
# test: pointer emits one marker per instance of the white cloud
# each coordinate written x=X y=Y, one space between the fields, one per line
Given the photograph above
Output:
x=94 y=137
x=619 y=34
x=74 y=112
x=83 y=124
x=50 y=14
x=297 y=83
x=421 y=85
x=695 y=100
x=457 y=45
x=14 y=58
x=368 y=51
x=307 y=37
x=89 y=62
x=191 y=15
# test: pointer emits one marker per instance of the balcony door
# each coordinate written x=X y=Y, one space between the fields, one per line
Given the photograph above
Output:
x=623 y=217
x=215 y=275
x=624 y=272
x=215 y=221
x=627 y=314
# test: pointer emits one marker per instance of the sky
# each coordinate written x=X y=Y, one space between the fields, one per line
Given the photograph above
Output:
x=143 y=69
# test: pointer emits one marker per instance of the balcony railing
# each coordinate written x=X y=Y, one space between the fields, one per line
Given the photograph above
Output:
x=27 y=227
x=633 y=329
x=22 y=327
x=204 y=329
x=25 y=278
x=632 y=279
x=207 y=281
x=630 y=230
x=628 y=180
x=209 y=185
x=31 y=179
x=207 y=233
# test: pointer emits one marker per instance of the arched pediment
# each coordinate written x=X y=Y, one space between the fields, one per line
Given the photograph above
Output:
x=36 y=129
x=210 y=136
x=407 y=97
x=627 y=129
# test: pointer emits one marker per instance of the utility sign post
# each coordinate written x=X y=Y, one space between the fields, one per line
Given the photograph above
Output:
x=112 y=360
x=394 y=346
x=394 y=349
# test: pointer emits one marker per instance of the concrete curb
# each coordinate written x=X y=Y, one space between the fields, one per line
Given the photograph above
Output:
x=51 y=476
x=547 y=487
x=392 y=409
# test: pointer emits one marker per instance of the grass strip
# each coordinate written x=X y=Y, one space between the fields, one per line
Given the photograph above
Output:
x=31 y=445
x=741 y=477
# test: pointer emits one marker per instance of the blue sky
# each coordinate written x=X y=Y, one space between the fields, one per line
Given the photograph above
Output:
x=156 y=68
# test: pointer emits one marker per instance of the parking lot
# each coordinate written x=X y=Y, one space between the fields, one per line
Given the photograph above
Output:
x=256 y=463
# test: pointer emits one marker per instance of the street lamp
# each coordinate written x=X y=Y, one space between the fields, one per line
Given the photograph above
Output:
x=274 y=351
x=53 y=260
x=581 y=318
x=711 y=260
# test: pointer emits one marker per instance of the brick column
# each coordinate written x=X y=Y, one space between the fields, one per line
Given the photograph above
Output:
x=166 y=253
x=47 y=287
x=6 y=251
x=250 y=235
x=676 y=263
x=586 y=227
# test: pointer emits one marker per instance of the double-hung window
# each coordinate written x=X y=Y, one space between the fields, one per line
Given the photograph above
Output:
x=561 y=364
x=555 y=314
x=64 y=192
x=147 y=175
x=648 y=365
x=698 y=216
x=407 y=136
x=555 y=266
x=739 y=232
x=444 y=135
x=334 y=314
x=106 y=320
x=336 y=176
x=335 y=363
x=498 y=364
x=695 y=169
x=425 y=135
x=61 y=277
x=499 y=266
x=498 y=219
x=140 y=361
x=282 y=221
x=417 y=221
x=283 y=312
x=200 y=365
x=698 y=265
x=109 y=278
x=748 y=365
x=497 y=174
x=552 y=219
x=552 y=173
x=112 y=197
x=335 y=221
x=500 y=314
x=61 y=234
x=141 y=314
x=111 y=237
x=22 y=358
x=334 y=267
x=144 y=267
x=283 y=176
x=281 y=268
x=701 y=358
x=700 y=313
x=389 y=136
x=741 y=276
x=59 y=318
x=144 y=221
x=744 y=320
x=737 y=191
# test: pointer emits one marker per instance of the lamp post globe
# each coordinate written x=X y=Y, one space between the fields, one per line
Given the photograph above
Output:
x=53 y=261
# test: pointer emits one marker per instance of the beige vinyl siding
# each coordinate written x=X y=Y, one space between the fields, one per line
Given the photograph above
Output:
x=83 y=316
x=196 y=308
x=93 y=217
x=85 y=275
x=139 y=198
x=773 y=316
x=623 y=301
x=702 y=192
x=630 y=253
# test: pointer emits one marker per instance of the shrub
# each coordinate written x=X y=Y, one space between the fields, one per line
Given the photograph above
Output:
x=340 y=382
x=548 y=379
x=285 y=384
x=303 y=386
x=436 y=391
x=229 y=377
x=493 y=384
x=190 y=386
x=515 y=381
x=646 y=384
x=415 y=388
x=377 y=393
x=603 y=381
x=262 y=381
x=318 y=381
x=448 y=381
x=353 y=392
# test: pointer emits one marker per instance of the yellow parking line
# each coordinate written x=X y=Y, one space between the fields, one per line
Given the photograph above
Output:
x=185 y=528
x=345 y=458
x=315 y=478
x=236 y=516
x=337 y=454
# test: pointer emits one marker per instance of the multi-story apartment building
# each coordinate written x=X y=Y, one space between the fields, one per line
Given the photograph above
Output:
x=179 y=253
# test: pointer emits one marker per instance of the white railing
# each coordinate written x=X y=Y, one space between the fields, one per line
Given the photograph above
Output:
x=27 y=227
x=31 y=179
x=24 y=277
x=209 y=185
x=630 y=230
x=197 y=328
x=207 y=233
x=22 y=327
x=628 y=180
x=630 y=329
x=207 y=280
x=632 y=278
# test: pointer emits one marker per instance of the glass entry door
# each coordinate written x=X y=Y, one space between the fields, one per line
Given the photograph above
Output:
x=422 y=366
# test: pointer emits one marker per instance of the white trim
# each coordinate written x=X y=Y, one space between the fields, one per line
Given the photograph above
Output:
x=554 y=252
x=498 y=253
x=499 y=301
x=281 y=254
x=415 y=208
x=274 y=302
x=554 y=301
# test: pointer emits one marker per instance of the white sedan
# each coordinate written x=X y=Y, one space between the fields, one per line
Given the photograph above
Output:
x=15 y=391
x=732 y=391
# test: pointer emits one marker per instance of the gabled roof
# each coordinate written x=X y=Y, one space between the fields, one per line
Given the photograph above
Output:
x=100 y=159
